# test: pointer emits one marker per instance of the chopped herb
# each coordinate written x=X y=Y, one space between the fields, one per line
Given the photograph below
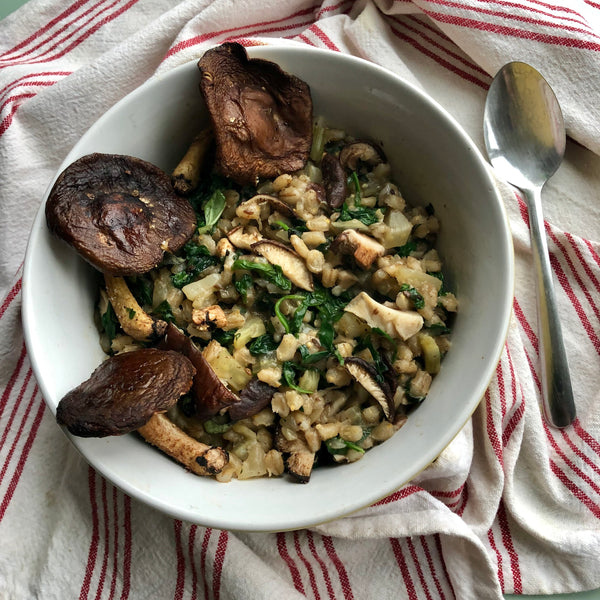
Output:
x=407 y=249
x=263 y=345
x=110 y=323
x=439 y=275
x=271 y=273
x=164 y=311
x=356 y=182
x=298 y=227
x=338 y=445
x=413 y=295
x=225 y=338
x=243 y=284
x=288 y=373
x=213 y=209
x=293 y=327
x=142 y=288
x=213 y=426
x=310 y=359
x=364 y=214
x=130 y=312
x=197 y=259
x=438 y=329
x=382 y=333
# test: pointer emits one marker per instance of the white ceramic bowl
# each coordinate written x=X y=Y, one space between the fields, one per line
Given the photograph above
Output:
x=433 y=161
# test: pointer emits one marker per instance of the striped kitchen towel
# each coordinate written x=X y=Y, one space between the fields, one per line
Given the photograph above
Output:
x=510 y=506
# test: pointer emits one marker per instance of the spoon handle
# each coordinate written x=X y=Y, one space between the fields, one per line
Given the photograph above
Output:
x=557 y=394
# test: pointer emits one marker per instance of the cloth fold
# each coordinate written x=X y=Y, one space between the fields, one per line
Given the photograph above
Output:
x=510 y=506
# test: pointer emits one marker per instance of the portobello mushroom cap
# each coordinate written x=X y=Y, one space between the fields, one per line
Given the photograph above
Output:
x=261 y=115
x=125 y=391
x=210 y=394
x=119 y=212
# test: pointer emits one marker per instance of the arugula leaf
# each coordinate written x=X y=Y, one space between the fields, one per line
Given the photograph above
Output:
x=263 y=345
x=308 y=358
x=338 y=445
x=243 y=284
x=225 y=338
x=110 y=323
x=271 y=273
x=198 y=258
x=164 y=311
x=413 y=295
x=407 y=249
x=141 y=287
x=213 y=209
x=288 y=373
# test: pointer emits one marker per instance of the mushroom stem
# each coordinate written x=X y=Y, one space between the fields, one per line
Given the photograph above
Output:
x=199 y=458
x=186 y=175
x=132 y=317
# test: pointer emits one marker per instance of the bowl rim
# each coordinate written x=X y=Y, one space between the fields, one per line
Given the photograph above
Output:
x=277 y=53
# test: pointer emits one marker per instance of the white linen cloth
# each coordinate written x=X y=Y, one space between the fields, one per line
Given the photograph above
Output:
x=510 y=506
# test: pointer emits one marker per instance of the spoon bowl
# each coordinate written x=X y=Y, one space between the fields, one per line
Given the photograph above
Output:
x=525 y=140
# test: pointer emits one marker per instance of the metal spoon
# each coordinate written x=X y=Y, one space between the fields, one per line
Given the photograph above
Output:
x=525 y=140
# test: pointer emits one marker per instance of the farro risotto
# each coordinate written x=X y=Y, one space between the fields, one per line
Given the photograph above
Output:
x=317 y=299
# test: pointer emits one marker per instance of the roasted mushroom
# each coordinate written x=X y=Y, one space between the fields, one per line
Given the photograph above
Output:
x=186 y=175
x=363 y=248
x=365 y=374
x=119 y=212
x=253 y=398
x=397 y=323
x=125 y=391
x=261 y=115
x=358 y=152
x=211 y=395
x=292 y=265
x=334 y=180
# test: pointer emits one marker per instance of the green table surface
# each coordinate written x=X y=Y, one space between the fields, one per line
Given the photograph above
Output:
x=9 y=6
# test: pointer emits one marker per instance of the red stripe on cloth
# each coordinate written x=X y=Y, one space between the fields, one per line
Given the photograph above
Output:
x=180 y=581
x=13 y=378
x=525 y=325
x=321 y=563
x=127 y=545
x=499 y=570
x=8 y=426
x=191 y=544
x=450 y=53
x=199 y=39
x=592 y=250
x=287 y=559
x=586 y=267
x=572 y=268
x=12 y=294
x=13 y=483
x=517 y=400
x=517 y=17
x=304 y=39
x=115 y=548
x=592 y=4
x=400 y=560
x=339 y=565
x=333 y=8
x=581 y=20
x=203 y=551
x=85 y=35
x=94 y=539
x=5 y=124
x=507 y=541
x=586 y=437
x=544 y=38
x=106 y=534
x=564 y=281
x=323 y=37
x=432 y=566
x=399 y=495
x=575 y=490
x=218 y=563
x=439 y=60
x=577 y=451
x=55 y=34
x=66 y=13
x=569 y=463
x=490 y=426
x=438 y=545
x=24 y=81
x=416 y=562
x=307 y=566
